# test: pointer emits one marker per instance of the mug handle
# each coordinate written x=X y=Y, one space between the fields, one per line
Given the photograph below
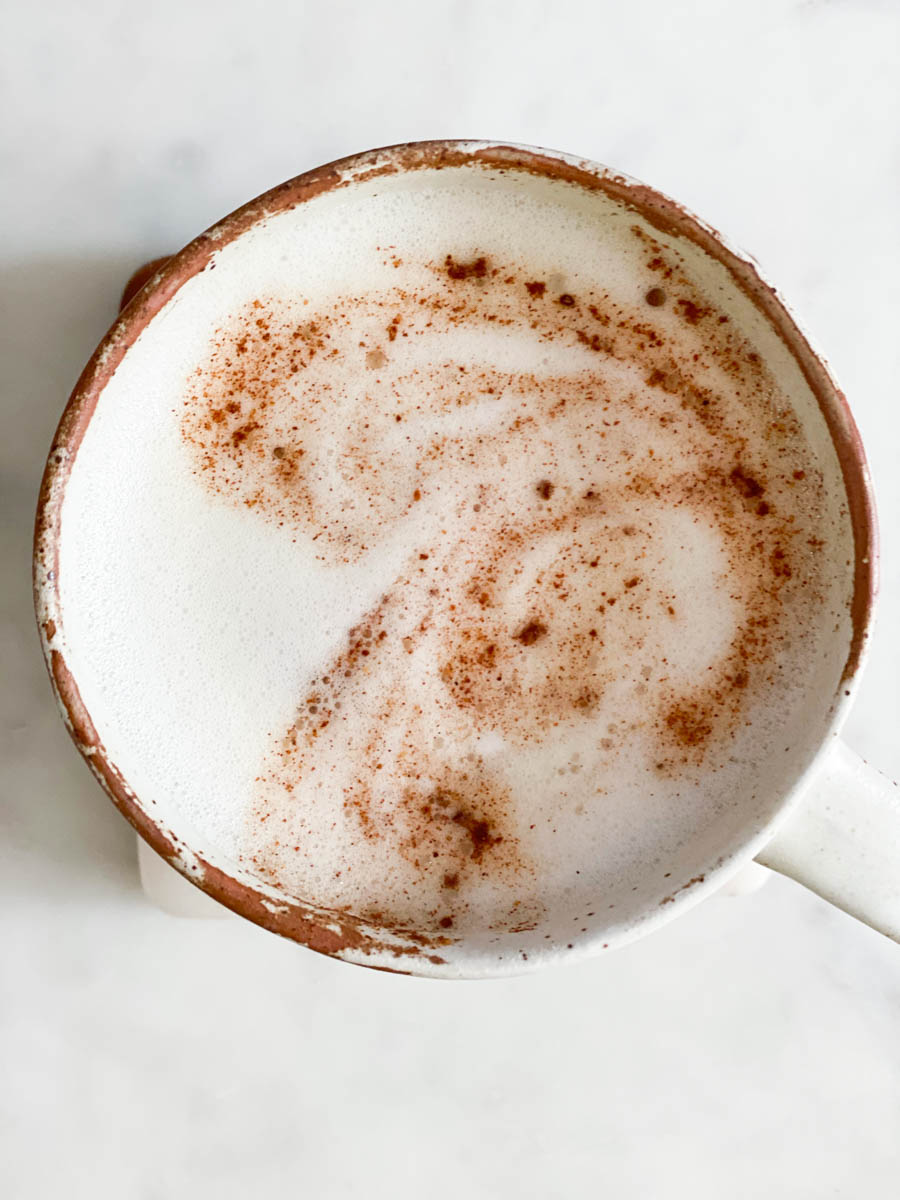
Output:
x=843 y=841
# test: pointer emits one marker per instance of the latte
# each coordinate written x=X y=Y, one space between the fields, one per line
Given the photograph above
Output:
x=453 y=547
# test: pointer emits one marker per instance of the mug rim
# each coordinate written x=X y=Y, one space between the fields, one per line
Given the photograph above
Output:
x=335 y=933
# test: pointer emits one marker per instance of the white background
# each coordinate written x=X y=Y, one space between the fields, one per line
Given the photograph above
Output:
x=752 y=1048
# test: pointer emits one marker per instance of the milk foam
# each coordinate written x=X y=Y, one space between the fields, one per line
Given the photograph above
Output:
x=514 y=649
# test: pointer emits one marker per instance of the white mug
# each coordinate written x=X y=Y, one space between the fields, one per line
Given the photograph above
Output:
x=834 y=822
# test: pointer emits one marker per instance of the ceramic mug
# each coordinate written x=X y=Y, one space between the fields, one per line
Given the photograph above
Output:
x=833 y=824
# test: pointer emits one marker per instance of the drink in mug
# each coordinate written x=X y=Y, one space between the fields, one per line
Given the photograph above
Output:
x=459 y=560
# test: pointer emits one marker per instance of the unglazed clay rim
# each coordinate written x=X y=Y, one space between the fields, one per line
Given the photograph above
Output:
x=335 y=933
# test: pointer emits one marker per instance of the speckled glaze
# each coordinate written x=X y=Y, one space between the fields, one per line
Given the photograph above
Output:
x=338 y=934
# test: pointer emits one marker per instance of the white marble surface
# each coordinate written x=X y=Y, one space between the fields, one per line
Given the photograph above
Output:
x=750 y=1049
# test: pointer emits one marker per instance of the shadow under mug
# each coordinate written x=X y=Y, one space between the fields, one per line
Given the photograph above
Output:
x=836 y=828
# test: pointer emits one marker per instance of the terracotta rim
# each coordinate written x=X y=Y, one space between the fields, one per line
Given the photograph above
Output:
x=323 y=930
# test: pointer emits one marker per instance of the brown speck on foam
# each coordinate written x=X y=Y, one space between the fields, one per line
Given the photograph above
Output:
x=746 y=484
x=531 y=632
x=691 y=311
x=477 y=268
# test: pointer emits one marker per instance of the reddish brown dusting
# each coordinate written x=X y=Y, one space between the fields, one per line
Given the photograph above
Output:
x=531 y=633
x=690 y=311
x=595 y=341
x=476 y=269
x=746 y=484
x=690 y=725
x=479 y=831
x=520 y=673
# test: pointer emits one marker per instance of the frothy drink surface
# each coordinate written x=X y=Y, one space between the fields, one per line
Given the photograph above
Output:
x=461 y=547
